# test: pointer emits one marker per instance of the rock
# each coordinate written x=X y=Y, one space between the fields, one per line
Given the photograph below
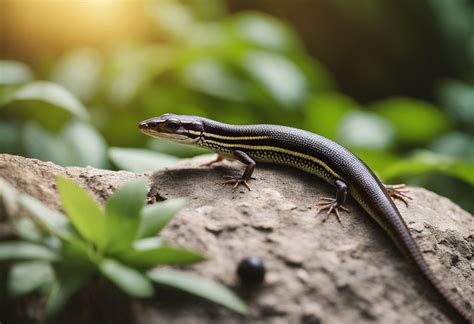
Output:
x=317 y=272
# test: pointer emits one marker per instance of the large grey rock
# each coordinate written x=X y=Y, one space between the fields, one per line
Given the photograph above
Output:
x=329 y=272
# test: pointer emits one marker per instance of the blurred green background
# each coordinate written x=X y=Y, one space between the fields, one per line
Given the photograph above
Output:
x=393 y=80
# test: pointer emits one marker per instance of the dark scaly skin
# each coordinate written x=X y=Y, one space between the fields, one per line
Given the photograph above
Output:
x=333 y=163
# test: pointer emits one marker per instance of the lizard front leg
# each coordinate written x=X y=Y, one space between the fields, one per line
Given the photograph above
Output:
x=247 y=175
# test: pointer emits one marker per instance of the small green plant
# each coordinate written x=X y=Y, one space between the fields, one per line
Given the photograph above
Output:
x=117 y=242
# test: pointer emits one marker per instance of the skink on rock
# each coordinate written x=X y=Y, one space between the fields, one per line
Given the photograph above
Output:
x=314 y=154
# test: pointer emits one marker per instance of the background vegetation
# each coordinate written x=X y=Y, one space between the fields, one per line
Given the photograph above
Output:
x=391 y=80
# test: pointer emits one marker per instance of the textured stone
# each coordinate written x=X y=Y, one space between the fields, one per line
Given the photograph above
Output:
x=317 y=272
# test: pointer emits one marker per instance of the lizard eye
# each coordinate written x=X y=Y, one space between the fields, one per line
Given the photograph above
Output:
x=172 y=124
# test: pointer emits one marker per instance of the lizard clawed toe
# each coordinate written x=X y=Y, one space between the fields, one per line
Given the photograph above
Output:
x=236 y=181
x=398 y=192
x=331 y=205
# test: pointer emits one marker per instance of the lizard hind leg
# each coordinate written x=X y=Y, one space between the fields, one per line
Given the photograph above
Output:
x=399 y=192
x=332 y=205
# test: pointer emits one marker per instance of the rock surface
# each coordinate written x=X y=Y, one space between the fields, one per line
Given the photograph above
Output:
x=317 y=272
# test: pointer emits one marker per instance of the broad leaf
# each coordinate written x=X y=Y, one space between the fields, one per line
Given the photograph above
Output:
x=128 y=279
x=26 y=229
x=161 y=255
x=52 y=220
x=122 y=211
x=199 y=286
x=414 y=121
x=365 y=130
x=78 y=254
x=53 y=94
x=266 y=32
x=63 y=289
x=9 y=135
x=82 y=210
x=425 y=161
x=281 y=78
x=155 y=217
x=324 y=111
x=25 y=250
x=25 y=277
x=85 y=145
x=13 y=73
x=138 y=160
x=175 y=149
x=80 y=72
x=214 y=78
x=40 y=144
x=7 y=192
x=78 y=144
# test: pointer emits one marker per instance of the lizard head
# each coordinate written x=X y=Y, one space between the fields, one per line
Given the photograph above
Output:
x=177 y=128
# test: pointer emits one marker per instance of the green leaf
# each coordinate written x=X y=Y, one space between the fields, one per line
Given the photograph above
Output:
x=122 y=212
x=42 y=145
x=80 y=72
x=377 y=160
x=458 y=98
x=79 y=255
x=85 y=145
x=365 y=130
x=281 y=78
x=324 y=112
x=52 y=220
x=63 y=289
x=266 y=32
x=175 y=149
x=13 y=73
x=455 y=145
x=414 y=121
x=25 y=277
x=82 y=210
x=155 y=217
x=128 y=279
x=53 y=94
x=212 y=77
x=78 y=144
x=9 y=137
x=425 y=161
x=25 y=250
x=138 y=160
x=7 y=192
x=26 y=229
x=149 y=258
x=199 y=286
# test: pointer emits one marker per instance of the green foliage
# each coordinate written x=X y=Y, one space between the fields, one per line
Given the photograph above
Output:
x=155 y=217
x=131 y=281
x=52 y=94
x=26 y=277
x=197 y=286
x=414 y=121
x=14 y=73
x=243 y=68
x=25 y=250
x=117 y=241
x=138 y=160
x=89 y=220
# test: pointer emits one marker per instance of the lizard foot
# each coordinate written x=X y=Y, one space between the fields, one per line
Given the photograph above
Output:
x=236 y=181
x=398 y=192
x=331 y=205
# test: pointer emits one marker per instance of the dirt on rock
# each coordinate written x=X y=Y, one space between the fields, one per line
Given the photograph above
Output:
x=317 y=272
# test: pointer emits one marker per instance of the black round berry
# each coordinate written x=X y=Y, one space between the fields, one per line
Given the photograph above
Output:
x=251 y=270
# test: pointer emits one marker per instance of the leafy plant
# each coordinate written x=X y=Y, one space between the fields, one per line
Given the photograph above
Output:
x=117 y=242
